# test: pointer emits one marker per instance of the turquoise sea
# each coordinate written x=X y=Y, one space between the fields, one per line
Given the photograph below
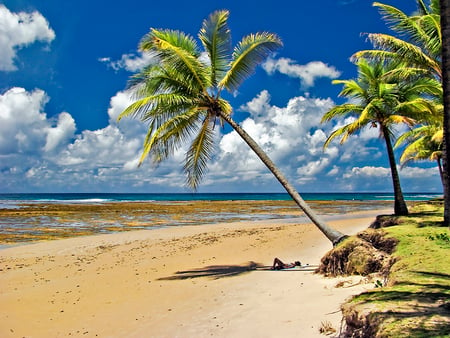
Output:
x=16 y=199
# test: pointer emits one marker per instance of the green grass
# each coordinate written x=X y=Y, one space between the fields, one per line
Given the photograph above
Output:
x=416 y=300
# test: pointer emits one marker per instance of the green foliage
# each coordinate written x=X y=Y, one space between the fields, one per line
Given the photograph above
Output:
x=382 y=99
x=178 y=95
x=418 y=48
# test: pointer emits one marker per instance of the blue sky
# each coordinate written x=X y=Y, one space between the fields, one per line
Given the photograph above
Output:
x=64 y=66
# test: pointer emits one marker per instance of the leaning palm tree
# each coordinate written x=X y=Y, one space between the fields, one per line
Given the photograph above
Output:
x=179 y=97
x=381 y=101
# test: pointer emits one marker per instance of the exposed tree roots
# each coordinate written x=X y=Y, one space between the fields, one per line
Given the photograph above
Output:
x=363 y=254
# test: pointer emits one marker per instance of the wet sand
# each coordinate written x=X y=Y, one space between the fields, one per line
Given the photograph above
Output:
x=189 y=281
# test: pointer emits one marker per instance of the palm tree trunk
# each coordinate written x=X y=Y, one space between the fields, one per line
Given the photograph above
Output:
x=441 y=172
x=445 y=29
x=400 y=207
x=333 y=235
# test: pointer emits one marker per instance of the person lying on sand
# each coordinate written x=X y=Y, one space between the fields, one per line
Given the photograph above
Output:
x=279 y=265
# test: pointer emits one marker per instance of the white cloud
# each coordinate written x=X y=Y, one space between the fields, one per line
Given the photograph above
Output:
x=129 y=62
x=47 y=147
x=63 y=132
x=290 y=135
x=99 y=148
x=369 y=171
x=306 y=73
x=312 y=168
x=334 y=171
x=414 y=172
x=42 y=153
x=128 y=126
x=22 y=121
x=18 y=30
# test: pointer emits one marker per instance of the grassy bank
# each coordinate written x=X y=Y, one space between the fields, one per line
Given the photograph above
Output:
x=414 y=300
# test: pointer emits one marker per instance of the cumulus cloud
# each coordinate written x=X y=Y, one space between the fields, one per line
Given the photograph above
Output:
x=312 y=168
x=290 y=135
x=414 y=172
x=61 y=134
x=369 y=171
x=129 y=62
x=22 y=121
x=306 y=73
x=18 y=30
x=41 y=153
x=99 y=148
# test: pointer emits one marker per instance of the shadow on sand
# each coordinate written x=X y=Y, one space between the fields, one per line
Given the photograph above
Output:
x=214 y=271
x=222 y=271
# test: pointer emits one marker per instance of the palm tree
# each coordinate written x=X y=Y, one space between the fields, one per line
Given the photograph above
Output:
x=445 y=32
x=381 y=101
x=180 y=97
x=421 y=45
x=427 y=48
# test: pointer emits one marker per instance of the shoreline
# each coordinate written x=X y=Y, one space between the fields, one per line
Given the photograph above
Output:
x=175 y=282
x=44 y=221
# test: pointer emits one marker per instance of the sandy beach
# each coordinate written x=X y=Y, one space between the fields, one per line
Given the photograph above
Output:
x=188 y=281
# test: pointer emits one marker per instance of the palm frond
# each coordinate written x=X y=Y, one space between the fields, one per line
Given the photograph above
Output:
x=343 y=110
x=163 y=140
x=333 y=135
x=158 y=106
x=393 y=17
x=374 y=54
x=216 y=38
x=161 y=41
x=344 y=132
x=351 y=89
x=438 y=136
x=369 y=113
x=423 y=9
x=423 y=143
x=179 y=52
x=398 y=119
x=407 y=51
x=422 y=29
x=164 y=79
x=249 y=53
x=431 y=38
x=435 y=7
x=199 y=153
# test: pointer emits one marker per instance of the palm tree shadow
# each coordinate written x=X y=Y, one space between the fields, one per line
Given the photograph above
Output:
x=214 y=271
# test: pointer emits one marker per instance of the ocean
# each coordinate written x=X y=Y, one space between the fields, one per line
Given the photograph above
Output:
x=16 y=199
x=32 y=217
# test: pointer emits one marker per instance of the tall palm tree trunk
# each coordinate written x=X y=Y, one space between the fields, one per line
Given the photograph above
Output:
x=333 y=235
x=445 y=29
x=400 y=207
x=441 y=171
